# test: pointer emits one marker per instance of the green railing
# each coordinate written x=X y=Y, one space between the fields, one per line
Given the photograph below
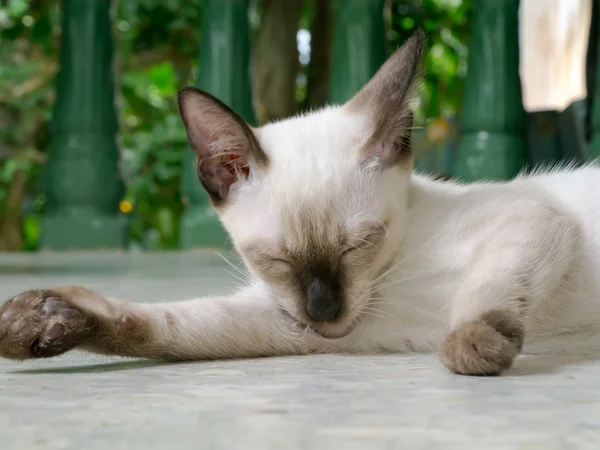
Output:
x=83 y=184
x=493 y=120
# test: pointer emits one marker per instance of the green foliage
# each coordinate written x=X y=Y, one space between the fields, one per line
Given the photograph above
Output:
x=157 y=43
x=29 y=44
x=447 y=28
x=153 y=145
x=157 y=47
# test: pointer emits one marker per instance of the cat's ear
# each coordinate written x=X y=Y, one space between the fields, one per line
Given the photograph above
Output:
x=385 y=103
x=225 y=146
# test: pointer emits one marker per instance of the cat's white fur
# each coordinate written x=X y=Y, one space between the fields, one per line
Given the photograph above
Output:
x=463 y=252
x=449 y=253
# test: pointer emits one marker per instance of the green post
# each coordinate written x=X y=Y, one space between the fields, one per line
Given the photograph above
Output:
x=591 y=64
x=359 y=46
x=493 y=120
x=594 y=84
x=224 y=72
x=83 y=186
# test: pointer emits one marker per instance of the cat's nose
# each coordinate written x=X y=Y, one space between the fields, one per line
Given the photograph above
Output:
x=322 y=302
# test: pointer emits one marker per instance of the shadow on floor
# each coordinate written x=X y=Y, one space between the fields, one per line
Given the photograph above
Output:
x=525 y=365
x=96 y=368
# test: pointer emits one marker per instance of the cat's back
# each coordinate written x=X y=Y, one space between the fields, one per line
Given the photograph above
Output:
x=576 y=189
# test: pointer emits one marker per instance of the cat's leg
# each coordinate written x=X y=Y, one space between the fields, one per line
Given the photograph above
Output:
x=49 y=322
x=522 y=262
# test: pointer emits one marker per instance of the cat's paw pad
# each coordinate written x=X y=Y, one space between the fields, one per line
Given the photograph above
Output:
x=39 y=324
x=485 y=346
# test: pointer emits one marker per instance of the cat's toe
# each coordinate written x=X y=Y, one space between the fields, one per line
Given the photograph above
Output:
x=486 y=346
x=38 y=324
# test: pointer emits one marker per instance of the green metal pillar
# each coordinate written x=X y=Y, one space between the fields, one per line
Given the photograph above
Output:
x=493 y=122
x=83 y=186
x=591 y=65
x=224 y=72
x=594 y=84
x=359 y=46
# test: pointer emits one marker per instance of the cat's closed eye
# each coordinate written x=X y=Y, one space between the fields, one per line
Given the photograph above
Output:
x=361 y=245
x=353 y=249
x=272 y=266
x=278 y=261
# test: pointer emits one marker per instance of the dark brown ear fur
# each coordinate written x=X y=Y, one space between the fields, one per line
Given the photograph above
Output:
x=225 y=146
x=386 y=99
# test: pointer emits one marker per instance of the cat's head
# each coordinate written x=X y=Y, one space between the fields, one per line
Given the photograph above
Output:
x=316 y=204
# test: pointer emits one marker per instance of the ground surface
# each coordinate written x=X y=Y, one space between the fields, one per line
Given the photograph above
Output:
x=317 y=402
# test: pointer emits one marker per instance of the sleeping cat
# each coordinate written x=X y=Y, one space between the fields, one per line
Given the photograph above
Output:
x=352 y=252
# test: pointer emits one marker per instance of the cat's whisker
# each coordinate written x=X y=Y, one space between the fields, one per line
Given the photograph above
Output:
x=429 y=242
x=408 y=258
x=383 y=275
x=237 y=277
x=232 y=265
x=383 y=303
x=239 y=274
x=380 y=314
x=243 y=279
x=367 y=307
x=383 y=286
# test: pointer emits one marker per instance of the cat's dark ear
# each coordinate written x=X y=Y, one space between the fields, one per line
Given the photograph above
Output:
x=385 y=100
x=225 y=146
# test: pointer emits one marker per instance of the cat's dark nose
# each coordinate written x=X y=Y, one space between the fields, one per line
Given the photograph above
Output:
x=322 y=301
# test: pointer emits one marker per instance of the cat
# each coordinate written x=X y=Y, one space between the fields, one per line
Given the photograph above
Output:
x=350 y=251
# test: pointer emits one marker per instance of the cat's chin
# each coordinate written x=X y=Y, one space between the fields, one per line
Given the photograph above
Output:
x=335 y=330
x=331 y=331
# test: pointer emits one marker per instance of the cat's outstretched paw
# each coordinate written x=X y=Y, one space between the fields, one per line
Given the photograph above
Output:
x=486 y=346
x=40 y=324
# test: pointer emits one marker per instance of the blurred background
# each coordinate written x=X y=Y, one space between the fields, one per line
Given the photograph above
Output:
x=93 y=153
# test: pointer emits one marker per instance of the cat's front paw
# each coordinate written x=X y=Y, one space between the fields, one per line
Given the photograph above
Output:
x=485 y=346
x=40 y=324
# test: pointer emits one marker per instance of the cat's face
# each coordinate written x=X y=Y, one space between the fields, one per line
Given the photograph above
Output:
x=316 y=205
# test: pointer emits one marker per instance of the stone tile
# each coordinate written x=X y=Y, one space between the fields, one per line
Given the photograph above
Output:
x=318 y=402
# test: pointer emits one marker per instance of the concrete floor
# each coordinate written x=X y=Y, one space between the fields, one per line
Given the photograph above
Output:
x=316 y=402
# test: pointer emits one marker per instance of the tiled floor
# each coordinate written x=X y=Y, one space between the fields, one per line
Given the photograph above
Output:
x=320 y=402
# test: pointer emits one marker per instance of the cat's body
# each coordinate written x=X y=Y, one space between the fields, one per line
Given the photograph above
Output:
x=351 y=252
x=449 y=223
